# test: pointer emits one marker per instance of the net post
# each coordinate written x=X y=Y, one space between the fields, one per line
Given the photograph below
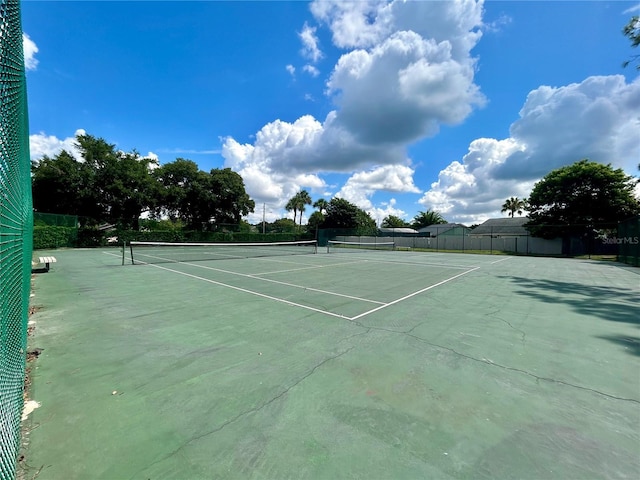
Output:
x=131 y=250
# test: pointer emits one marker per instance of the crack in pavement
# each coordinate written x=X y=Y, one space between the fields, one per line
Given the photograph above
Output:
x=489 y=362
x=249 y=411
x=519 y=370
x=493 y=315
x=523 y=339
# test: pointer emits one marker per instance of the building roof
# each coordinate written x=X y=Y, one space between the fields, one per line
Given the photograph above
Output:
x=440 y=228
x=502 y=227
x=397 y=230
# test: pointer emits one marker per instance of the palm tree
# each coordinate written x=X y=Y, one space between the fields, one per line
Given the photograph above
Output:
x=302 y=198
x=292 y=205
x=513 y=205
x=424 y=219
x=321 y=204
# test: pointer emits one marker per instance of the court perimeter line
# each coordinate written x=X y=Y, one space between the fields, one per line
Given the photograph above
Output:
x=306 y=306
x=293 y=285
x=413 y=294
x=414 y=264
x=501 y=260
x=306 y=268
x=281 y=300
x=366 y=300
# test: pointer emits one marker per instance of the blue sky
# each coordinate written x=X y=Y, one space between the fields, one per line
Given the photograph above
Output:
x=396 y=106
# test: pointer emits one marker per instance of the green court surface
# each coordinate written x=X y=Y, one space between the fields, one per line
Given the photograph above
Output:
x=371 y=365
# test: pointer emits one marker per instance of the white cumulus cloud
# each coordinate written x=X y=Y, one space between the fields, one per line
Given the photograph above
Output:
x=30 y=49
x=407 y=69
x=311 y=70
x=310 y=48
x=596 y=119
x=41 y=144
x=359 y=188
x=385 y=209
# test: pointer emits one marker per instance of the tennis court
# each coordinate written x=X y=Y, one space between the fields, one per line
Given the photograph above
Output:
x=356 y=364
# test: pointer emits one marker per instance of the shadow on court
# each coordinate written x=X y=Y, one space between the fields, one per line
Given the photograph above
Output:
x=615 y=304
x=630 y=344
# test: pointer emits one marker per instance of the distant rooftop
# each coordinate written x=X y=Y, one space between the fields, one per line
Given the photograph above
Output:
x=502 y=226
x=397 y=230
x=440 y=228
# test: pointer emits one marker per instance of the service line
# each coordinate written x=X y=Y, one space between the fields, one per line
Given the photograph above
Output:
x=413 y=294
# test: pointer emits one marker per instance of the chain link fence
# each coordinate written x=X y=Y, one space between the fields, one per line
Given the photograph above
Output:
x=16 y=233
x=500 y=238
x=628 y=241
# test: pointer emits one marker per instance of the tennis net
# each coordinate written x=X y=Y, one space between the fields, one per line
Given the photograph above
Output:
x=167 y=252
x=337 y=245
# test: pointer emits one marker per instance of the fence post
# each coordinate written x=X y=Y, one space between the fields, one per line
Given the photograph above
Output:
x=491 y=241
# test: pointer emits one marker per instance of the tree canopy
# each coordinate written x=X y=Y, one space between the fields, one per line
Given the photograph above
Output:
x=579 y=198
x=424 y=219
x=111 y=186
x=391 y=221
x=343 y=214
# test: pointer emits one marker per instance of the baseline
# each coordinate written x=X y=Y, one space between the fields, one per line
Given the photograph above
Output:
x=413 y=294
x=251 y=292
x=381 y=306
x=286 y=284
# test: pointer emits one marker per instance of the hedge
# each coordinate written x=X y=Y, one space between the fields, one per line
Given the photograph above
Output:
x=56 y=237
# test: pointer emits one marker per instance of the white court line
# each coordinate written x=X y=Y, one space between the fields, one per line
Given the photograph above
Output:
x=501 y=260
x=413 y=294
x=308 y=268
x=415 y=264
x=325 y=312
x=306 y=307
x=283 y=283
x=277 y=260
x=263 y=280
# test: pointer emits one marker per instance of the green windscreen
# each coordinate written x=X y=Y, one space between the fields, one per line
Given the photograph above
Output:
x=629 y=241
x=16 y=232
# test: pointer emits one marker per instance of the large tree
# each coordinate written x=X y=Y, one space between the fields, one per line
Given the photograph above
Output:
x=391 y=221
x=106 y=185
x=424 y=219
x=126 y=189
x=514 y=205
x=316 y=219
x=201 y=199
x=231 y=201
x=282 y=225
x=61 y=184
x=184 y=193
x=343 y=214
x=576 y=199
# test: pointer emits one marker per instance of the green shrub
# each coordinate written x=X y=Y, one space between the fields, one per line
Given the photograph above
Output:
x=47 y=236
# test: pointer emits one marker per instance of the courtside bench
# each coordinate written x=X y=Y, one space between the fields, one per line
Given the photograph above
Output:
x=47 y=261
